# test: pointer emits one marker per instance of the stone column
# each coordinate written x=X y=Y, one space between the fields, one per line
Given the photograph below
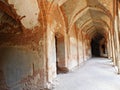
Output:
x=116 y=41
x=66 y=49
x=118 y=35
x=113 y=51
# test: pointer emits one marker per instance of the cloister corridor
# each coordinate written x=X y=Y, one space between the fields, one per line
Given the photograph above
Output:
x=59 y=44
x=94 y=74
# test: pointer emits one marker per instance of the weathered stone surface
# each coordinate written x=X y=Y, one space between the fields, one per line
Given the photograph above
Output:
x=41 y=38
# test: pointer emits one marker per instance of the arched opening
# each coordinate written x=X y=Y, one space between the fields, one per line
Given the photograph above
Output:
x=103 y=48
x=60 y=54
x=95 y=48
x=98 y=46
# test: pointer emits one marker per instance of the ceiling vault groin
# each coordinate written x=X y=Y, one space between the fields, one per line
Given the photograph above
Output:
x=88 y=16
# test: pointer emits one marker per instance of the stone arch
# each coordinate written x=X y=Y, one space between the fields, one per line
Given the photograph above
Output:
x=96 y=45
x=56 y=32
x=75 y=19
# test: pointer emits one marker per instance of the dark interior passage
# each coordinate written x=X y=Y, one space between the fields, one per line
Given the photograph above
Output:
x=96 y=45
x=103 y=48
x=95 y=48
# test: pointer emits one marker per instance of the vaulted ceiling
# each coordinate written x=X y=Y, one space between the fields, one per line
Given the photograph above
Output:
x=90 y=16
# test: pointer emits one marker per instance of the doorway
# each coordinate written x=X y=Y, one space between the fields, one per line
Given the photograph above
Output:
x=60 y=54
x=96 y=45
x=95 y=48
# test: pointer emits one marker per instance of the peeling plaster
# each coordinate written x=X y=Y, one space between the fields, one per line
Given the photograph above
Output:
x=29 y=10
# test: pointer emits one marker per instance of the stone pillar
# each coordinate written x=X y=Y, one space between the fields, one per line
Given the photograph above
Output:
x=109 y=48
x=118 y=35
x=113 y=51
x=67 y=47
x=116 y=41
x=78 y=49
x=118 y=65
x=84 y=46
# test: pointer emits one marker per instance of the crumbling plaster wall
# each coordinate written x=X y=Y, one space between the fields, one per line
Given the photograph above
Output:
x=21 y=68
x=80 y=47
x=55 y=28
x=29 y=16
x=73 y=60
x=22 y=50
x=23 y=62
x=88 y=47
x=28 y=57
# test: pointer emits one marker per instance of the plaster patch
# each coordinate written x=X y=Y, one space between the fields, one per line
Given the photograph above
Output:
x=29 y=9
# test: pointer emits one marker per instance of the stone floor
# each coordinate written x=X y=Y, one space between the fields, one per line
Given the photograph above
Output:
x=95 y=74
